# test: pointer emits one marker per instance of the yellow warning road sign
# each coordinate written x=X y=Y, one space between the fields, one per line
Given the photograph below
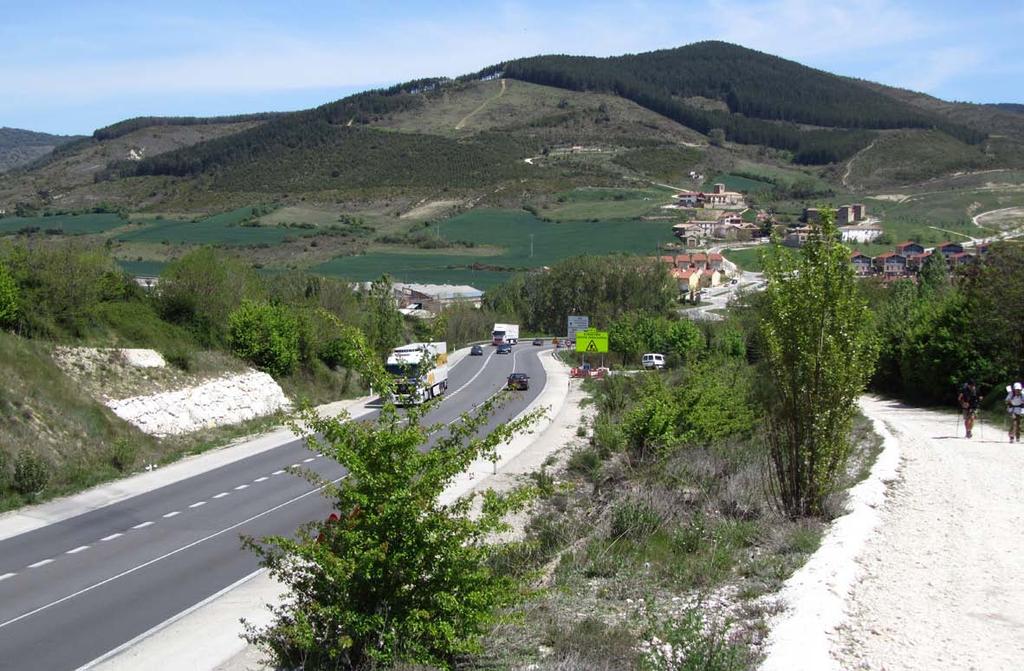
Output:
x=592 y=341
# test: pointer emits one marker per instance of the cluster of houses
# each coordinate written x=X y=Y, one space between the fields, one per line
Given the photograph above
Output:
x=852 y=220
x=728 y=226
x=908 y=257
x=694 y=271
x=718 y=199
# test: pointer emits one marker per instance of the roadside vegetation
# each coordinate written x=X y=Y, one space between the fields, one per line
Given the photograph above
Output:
x=209 y=315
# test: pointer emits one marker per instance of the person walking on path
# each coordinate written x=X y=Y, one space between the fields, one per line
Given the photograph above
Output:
x=969 y=401
x=1015 y=407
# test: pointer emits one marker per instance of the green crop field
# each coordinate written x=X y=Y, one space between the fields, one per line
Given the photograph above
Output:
x=587 y=204
x=143 y=268
x=737 y=183
x=510 y=230
x=68 y=224
x=219 y=229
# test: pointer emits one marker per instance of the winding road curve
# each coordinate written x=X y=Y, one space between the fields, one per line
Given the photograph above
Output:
x=74 y=590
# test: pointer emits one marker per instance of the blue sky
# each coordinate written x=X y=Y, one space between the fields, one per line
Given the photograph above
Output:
x=70 y=67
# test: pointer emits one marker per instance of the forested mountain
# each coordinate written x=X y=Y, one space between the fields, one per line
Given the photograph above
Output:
x=760 y=91
x=20 y=147
x=480 y=133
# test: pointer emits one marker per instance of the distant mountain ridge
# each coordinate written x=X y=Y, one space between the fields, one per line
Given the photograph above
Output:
x=20 y=147
x=710 y=105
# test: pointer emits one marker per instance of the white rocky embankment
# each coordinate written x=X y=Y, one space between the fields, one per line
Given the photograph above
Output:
x=221 y=401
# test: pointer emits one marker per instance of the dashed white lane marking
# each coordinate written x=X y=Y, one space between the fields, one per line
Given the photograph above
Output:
x=172 y=513
x=80 y=548
x=43 y=562
x=197 y=504
x=306 y=461
x=278 y=472
x=319 y=454
x=143 y=525
x=220 y=496
x=111 y=537
x=263 y=479
x=183 y=548
x=7 y=575
x=295 y=465
x=239 y=487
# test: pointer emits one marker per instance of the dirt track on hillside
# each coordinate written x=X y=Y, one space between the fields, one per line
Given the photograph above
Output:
x=943 y=578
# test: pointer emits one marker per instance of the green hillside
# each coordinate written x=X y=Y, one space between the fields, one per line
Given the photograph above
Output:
x=758 y=89
x=20 y=147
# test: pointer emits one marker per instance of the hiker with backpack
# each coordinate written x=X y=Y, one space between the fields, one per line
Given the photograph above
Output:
x=1015 y=408
x=969 y=401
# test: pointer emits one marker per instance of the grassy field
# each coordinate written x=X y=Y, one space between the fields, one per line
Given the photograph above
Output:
x=587 y=204
x=747 y=259
x=219 y=229
x=738 y=183
x=510 y=230
x=68 y=224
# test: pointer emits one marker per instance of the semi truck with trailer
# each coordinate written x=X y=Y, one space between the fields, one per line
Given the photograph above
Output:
x=505 y=334
x=420 y=371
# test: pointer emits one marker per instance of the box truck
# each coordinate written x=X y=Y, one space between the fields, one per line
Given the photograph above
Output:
x=505 y=334
x=420 y=371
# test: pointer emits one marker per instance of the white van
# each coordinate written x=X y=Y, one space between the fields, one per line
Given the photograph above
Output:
x=652 y=360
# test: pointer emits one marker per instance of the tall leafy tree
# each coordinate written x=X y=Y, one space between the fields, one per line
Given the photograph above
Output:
x=819 y=348
x=383 y=320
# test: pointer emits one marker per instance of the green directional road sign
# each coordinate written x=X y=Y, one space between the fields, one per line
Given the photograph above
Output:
x=592 y=341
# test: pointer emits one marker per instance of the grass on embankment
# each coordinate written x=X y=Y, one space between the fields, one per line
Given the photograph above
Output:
x=47 y=413
x=680 y=548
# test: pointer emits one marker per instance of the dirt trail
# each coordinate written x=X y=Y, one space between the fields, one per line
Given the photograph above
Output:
x=465 y=119
x=849 y=165
x=941 y=586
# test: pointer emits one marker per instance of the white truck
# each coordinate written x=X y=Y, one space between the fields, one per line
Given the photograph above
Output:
x=420 y=371
x=505 y=334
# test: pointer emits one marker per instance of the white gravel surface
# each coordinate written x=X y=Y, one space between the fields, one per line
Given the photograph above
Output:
x=942 y=580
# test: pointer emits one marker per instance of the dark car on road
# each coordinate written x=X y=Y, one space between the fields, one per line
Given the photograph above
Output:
x=520 y=381
x=504 y=349
x=476 y=350
x=538 y=341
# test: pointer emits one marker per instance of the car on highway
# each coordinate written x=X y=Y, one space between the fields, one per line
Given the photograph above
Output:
x=538 y=341
x=520 y=381
x=504 y=349
x=476 y=350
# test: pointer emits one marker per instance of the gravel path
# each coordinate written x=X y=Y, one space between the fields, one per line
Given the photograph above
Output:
x=942 y=582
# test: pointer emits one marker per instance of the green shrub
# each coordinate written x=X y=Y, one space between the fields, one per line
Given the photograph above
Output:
x=650 y=426
x=4 y=474
x=586 y=462
x=265 y=335
x=8 y=299
x=633 y=520
x=608 y=437
x=179 y=357
x=31 y=473
x=123 y=454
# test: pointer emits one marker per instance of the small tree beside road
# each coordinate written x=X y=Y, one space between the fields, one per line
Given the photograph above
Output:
x=819 y=350
x=397 y=575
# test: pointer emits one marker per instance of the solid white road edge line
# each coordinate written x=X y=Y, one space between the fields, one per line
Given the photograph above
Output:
x=168 y=622
x=157 y=559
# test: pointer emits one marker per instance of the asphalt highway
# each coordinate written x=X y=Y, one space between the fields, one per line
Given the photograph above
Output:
x=72 y=591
